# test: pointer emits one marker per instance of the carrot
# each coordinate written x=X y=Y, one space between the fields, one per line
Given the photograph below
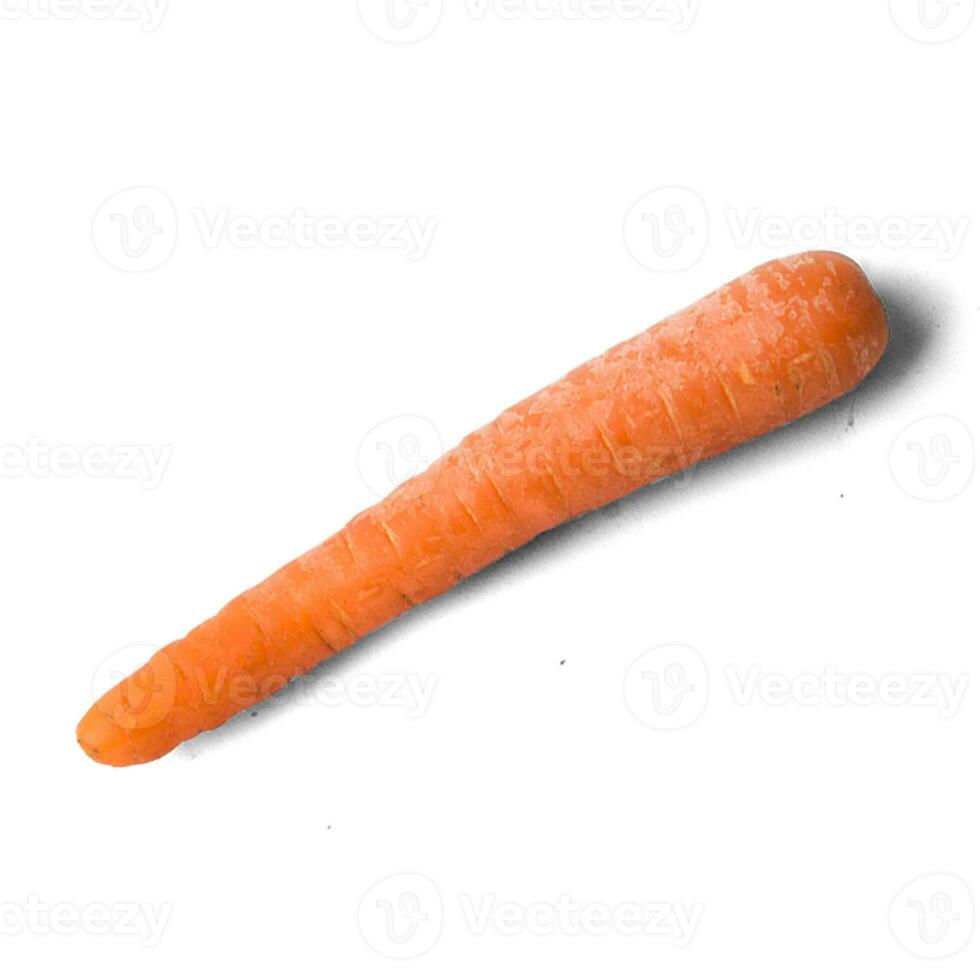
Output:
x=762 y=351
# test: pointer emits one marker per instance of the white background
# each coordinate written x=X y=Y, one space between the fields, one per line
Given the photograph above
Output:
x=792 y=834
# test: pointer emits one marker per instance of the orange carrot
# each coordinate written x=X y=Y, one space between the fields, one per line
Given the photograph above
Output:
x=762 y=351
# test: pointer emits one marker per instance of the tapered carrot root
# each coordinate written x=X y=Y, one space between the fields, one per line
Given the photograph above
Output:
x=762 y=351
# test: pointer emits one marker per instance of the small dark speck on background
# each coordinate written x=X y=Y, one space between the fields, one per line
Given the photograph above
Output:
x=562 y=664
x=255 y=714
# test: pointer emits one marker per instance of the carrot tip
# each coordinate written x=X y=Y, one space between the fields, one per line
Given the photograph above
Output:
x=90 y=750
x=103 y=740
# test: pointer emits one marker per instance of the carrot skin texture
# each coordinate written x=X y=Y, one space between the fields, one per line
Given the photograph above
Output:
x=766 y=349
